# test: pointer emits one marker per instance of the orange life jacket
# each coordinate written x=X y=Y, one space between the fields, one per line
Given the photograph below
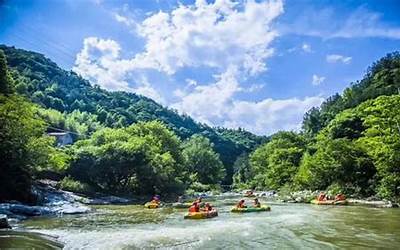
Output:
x=340 y=197
x=194 y=208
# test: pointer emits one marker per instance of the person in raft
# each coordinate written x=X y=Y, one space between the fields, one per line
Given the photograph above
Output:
x=241 y=204
x=156 y=199
x=322 y=197
x=257 y=203
x=198 y=201
x=195 y=207
x=340 y=197
x=208 y=207
x=249 y=192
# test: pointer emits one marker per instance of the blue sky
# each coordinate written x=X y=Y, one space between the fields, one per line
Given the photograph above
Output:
x=253 y=64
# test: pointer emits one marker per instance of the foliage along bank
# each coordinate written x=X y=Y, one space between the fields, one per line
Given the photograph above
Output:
x=128 y=144
x=350 y=144
x=74 y=104
x=146 y=157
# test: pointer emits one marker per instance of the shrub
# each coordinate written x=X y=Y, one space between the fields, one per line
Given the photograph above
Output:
x=72 y=185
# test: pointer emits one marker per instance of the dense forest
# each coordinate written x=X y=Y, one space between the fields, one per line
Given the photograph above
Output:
x=128 y=144
x=60 y=100
x=350 y=144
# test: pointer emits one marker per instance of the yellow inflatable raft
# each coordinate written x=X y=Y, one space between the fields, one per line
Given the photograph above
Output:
x=201 y=215
x=250 y=209
x=152 y=205
x=329 y=202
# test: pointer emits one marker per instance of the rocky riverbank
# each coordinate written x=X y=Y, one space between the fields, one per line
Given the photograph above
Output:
x=52 y=201
x=307 y=196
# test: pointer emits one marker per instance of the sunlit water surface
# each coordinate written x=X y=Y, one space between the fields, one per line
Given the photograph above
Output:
x=287 y=226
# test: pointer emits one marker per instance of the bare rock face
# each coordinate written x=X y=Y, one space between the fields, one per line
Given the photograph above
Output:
x=4 y=221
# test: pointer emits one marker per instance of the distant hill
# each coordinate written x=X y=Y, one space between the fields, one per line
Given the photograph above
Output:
x=382 y=78
x=43 y=82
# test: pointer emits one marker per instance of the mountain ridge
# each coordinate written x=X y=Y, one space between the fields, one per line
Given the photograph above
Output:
x=45 y=83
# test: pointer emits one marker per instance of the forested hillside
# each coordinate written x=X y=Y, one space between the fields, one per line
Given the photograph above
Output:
x=350 y=144
x=128 y=144
x=382 y=78
x=71 y=103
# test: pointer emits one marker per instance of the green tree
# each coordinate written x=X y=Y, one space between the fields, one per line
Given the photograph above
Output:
x=6 y=81
x=276 y=162
x=143 y=158
x=381 y=141
x=244 y=173
x=201 y=159
x=339 y=162
x=24 y=148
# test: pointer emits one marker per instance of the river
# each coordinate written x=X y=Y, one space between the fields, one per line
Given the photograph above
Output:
x=286 y=226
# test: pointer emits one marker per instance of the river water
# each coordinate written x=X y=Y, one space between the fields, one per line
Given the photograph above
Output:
x=286 y=226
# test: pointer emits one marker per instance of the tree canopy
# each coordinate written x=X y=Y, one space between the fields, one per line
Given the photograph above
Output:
x=87 y=108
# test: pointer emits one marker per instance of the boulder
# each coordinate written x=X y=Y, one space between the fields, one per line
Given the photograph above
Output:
x=29 y=210
x=4 y=221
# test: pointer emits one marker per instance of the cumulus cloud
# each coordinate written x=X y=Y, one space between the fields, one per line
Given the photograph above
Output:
x=216 y=104
x=317 y=80
x=232 y=38
x=270 y=115
x=334 y=58
x=215 y=35
x=100 y=62
x=210 y=103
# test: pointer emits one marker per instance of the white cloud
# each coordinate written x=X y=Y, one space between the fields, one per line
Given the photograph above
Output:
x=365 y=23
x=317 y=80
x=208 y=103
x=325 y=23
x=254 y=88
x=269 y=115
x=306 y=48
x=215 y=104
x=144 y=88
x=334 y=58
x=125 y=20
x=215 y=35
x=191 y=82
x=99 y=61
x=228 y=37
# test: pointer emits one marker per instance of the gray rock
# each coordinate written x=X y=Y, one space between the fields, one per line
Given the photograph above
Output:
x=74 y=208
x=107 y=200
x=4 y=221
x=299 y=199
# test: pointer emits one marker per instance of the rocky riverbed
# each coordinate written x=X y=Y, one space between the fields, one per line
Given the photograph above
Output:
x=53 y=201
